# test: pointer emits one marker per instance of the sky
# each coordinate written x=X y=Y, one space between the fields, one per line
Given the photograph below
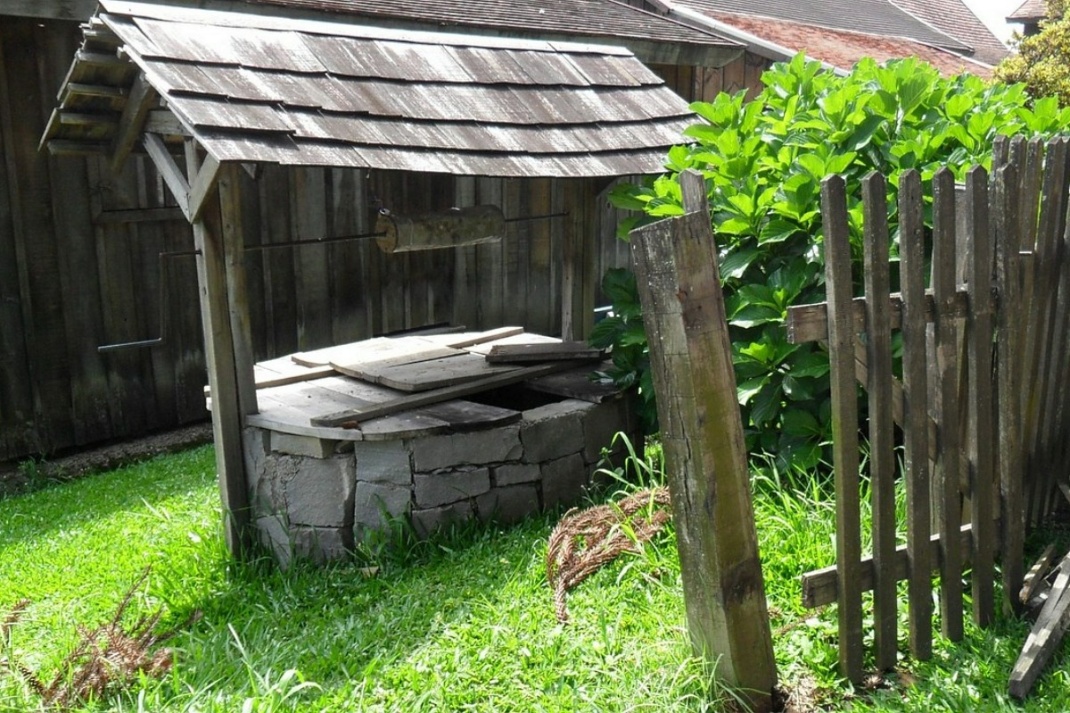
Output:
x=992 y=13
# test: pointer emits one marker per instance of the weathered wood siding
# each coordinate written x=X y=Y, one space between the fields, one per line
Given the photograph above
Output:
x=76 y=272
x=71 y=277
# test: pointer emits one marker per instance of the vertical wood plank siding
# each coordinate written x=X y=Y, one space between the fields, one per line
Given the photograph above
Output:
x=72 y=279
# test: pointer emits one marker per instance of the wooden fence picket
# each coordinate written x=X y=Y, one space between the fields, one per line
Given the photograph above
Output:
x=916 y=415
x=841 y=334
x=981 y=403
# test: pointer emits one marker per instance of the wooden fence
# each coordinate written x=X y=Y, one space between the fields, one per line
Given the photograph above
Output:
x=978 y=399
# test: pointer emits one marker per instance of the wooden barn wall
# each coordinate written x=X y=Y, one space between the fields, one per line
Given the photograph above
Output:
x=311 y=296
x=73 y=277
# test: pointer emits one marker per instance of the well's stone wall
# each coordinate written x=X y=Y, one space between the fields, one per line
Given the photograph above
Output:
x=315 y=498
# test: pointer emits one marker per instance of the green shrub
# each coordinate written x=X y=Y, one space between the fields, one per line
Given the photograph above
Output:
x=763 y=161
x=1043 y=60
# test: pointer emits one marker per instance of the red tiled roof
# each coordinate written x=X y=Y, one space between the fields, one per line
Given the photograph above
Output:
x=843 y=49
x=957 y=20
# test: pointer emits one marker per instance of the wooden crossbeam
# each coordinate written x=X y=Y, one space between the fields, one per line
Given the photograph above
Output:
x=821 y=586
x=809 y=323
x=140 y=98
x=169 y=171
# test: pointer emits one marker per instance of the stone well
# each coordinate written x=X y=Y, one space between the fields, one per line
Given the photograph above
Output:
x=315 y=497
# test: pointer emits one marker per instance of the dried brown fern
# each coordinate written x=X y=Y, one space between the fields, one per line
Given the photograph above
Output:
x=109 y=657
x=585 y=540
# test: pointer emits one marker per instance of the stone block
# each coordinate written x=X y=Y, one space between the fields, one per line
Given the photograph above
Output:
x=563 y=481
x=290 y=444
x=495 y=445
x=383 y=462
x=426 y=522
x=553 y=430
x=508 y=505
x=433 y=489
x=319 y=492
x=275 y=537
x=600 y=427
x=322 y=544
x=515 y=473
x=376 y=503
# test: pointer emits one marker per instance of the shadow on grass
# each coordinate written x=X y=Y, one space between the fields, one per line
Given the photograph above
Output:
x=68 y=506
x=336 y=625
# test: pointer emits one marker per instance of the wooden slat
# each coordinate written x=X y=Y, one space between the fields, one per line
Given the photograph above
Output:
x=352 y=418
x=169 y=171
x=981 y=392
x=311 y=273
x=578 y=384
x=518 y=353
x=1042 y=329
x=1045 y=636
x=428 y=375
x=1005 y=243
x=809 y=323
x=140 y=99
x=821 y=586
x=881 y=426
x=842 y=333
x=948 y=460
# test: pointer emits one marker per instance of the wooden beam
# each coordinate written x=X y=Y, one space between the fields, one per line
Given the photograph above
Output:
x=165 y=123
x=141 y=98
x=169 y=171
x=809 y=323
x=203 y=184
x=821 y=586
x=66 y=147
x=705 y=454
x=1045 y=636
x=137 y=215
x=223 y=380
x=353 y=417
x=230 y=207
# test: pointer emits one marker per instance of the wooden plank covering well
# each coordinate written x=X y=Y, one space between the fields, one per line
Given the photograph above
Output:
x=842 y=333
x=881 y=426
x=948 y=457
x=702 y=433
x=915 y=411
x=519 y=353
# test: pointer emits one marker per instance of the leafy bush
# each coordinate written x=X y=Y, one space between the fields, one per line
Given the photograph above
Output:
x=1043 y=60
x=763 y=161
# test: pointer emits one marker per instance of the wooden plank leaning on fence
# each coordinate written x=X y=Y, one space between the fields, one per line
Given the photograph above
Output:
x=683 y=310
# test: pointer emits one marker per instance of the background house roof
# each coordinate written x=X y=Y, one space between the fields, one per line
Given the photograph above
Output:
x=954 y=18
x=843 y=49
x=1030 y=11
x=876 y=17
x=266 y=89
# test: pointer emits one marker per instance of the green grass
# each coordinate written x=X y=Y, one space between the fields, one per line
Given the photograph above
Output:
x=462 y=623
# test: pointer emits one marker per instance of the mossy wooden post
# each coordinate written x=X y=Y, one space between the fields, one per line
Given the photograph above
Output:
x=705 y=457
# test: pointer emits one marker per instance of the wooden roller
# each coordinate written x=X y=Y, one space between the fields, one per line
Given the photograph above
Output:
x=454 y=228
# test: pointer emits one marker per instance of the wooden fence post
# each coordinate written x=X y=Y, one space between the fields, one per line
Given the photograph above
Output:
x=705 y=456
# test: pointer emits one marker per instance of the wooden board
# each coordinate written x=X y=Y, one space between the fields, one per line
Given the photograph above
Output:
x=522 y=338
x=343 y=352
x=577 y=384
x=521 y=353
x=427 y=375
x=351 y=418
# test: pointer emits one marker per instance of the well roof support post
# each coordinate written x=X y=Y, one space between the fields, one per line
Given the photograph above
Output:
x=578 y=279
x=705 y=455
x=225 y=320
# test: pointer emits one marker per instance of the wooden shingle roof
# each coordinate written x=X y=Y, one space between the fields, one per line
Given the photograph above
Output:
x=255 y=88
x=1030 y=11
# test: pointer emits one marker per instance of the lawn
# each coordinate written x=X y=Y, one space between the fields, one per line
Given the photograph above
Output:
x=461 y=623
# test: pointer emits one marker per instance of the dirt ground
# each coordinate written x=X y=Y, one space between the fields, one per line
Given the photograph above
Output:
x=30 y=474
